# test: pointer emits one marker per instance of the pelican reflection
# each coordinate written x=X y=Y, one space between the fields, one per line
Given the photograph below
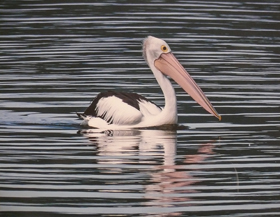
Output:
x=154 y=154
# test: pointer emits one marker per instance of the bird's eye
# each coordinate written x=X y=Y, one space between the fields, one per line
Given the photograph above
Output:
x=164 y=48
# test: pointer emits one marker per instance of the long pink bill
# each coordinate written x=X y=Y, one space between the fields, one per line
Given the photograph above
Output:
x=170 y=66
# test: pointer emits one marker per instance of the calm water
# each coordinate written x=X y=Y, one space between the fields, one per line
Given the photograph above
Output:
x=56 y=56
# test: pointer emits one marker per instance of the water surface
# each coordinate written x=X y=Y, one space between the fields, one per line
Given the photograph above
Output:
x=56 y=56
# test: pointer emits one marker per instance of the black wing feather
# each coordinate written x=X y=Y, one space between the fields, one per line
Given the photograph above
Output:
x=129 y=98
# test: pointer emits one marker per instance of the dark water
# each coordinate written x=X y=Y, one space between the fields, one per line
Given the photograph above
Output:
x=56 y=56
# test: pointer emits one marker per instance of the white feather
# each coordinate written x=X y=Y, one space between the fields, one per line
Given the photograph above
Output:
x=115 y=110
x=148 y=108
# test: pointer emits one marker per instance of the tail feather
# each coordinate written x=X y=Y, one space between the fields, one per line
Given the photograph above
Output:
x=81 y=115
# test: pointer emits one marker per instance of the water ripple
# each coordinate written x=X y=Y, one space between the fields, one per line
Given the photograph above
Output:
x=55 y=57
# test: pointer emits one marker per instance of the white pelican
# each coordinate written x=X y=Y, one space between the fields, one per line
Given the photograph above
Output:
x=118 y=110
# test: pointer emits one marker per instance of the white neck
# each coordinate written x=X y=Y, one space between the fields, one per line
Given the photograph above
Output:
x=169 y=112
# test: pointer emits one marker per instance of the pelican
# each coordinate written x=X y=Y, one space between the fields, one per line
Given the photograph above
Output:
x=113 y=110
